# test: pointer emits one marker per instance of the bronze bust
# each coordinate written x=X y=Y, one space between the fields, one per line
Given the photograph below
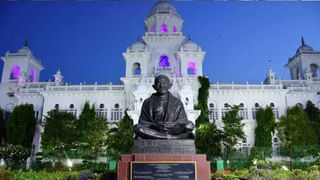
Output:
x=163 y=115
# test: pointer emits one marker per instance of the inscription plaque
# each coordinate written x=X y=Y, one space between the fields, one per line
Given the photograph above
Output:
x=168 y=170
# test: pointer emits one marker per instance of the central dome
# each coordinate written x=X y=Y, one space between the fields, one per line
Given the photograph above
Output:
x=163 y=7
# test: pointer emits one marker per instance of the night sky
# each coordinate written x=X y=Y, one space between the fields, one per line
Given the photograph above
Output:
x=86 y=39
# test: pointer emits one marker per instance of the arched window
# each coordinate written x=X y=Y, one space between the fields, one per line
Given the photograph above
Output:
x=191 y=68
x=274 y=110
x=243 y=112
x=136 y=70
x=275 y=140
x=101 y=111
x=297 y=73
x=56 y=106
x=226 y=108
x=15 y=72
x=254 y=110
x=174 y=29
x=116 y=113
x=300 y=105
x=164 y=28
x=72 y=110
x=153 y=29
x=32 y=75
x=213 y=112
x=314 y=70
x=164 y=61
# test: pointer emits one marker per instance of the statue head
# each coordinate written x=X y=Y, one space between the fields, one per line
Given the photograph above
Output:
x=162 y=84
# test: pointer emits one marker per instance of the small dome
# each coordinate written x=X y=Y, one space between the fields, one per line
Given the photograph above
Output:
x=304 y=47
x=190 y=46
x=24 y=50
x=162 y=7
x=137 y=47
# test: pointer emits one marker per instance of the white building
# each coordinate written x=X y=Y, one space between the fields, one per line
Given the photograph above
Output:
x=163 y=50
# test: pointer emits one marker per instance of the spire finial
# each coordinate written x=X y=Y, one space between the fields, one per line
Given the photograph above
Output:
x=138 y=38
x=189 y=38
x=26 y=44
x=302 y=40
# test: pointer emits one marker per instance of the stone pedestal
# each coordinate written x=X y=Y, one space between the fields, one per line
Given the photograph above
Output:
x=160 y=146
x=202 y=165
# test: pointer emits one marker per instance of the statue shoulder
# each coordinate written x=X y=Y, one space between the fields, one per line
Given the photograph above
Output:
x=176 y=100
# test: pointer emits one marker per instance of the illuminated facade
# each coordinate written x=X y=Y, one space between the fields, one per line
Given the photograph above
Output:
x=162 y=50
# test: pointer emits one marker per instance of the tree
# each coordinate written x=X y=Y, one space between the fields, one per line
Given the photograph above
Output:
x=91 y=132
x=120 y=136
x=21 y=127
x=2 y=128
x=313 y=114
x=208 y=140
x=59 y=133
x=296 y=132
x=263 y=137
x=232 y=129
x=202 y=105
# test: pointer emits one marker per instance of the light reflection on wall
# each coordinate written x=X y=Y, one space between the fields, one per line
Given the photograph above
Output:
x=174 y=29
x=192 y=68
x=153 y=29
x=15 y=71
x=164 y=61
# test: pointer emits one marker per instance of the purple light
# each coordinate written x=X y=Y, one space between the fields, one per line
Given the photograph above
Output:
x=174 y=29
x=15 y=71
x=32 y=75
x=164 y=61
x=192 y=68
x=153 y=29
x=164 y=28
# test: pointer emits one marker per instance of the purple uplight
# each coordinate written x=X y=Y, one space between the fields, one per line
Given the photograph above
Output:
x=174 y=29
x=32 y=75
x=15 y=71
x=153 y=29
x=164 y=28
x=192 y=68
x=164 y=61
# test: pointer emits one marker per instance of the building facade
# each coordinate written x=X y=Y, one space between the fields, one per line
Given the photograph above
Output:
x=162 y=50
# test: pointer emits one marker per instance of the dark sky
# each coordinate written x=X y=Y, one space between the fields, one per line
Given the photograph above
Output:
x=86 y=39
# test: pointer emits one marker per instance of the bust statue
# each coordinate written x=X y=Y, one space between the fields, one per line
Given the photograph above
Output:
x=162 y=115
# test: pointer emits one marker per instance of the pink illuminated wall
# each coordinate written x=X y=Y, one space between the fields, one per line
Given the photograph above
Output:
x=15 y=71
x=192 y=68
x=164 y=28
x=32 y=75
x=164 y=61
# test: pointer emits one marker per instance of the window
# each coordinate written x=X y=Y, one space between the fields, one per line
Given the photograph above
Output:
x=174 y=29
x=164 y=28
x=275 y=111
x=164 y=61
x=314 y=70
x=213 y=112
x=191 y=68
x=116 y=113
x=101 y=111
x=136 y=70
x=243 y=112
x=32 y=75
x=15 y=72
x=225 y=109
x=72 y=110
x=153 y=29
x=254 y=110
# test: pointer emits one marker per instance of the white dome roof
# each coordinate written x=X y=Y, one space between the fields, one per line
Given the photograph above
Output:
x=190 y=46
x=137 y=47
x=304 y=47
x=25 y=49
x=163 y=6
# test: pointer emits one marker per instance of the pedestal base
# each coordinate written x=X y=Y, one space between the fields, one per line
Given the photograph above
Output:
x=202 y=165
